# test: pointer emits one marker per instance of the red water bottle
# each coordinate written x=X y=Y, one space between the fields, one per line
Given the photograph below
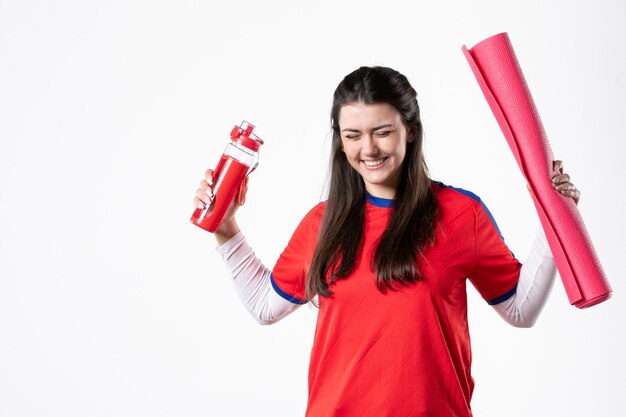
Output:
x=240 y=158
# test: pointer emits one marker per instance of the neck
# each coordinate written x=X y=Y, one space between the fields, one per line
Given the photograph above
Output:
x=381 y=191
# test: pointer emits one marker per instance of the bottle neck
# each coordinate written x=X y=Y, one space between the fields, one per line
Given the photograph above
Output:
x=241 y=153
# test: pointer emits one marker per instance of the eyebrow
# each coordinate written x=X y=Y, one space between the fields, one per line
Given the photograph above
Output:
x=388 y=125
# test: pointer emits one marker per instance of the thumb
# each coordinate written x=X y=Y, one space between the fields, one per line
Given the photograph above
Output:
x=243 y=190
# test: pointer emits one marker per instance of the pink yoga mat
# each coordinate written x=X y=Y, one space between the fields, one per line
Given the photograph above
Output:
x=499 y=75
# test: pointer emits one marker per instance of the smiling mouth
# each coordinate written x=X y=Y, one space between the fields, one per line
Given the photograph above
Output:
x=373 y=164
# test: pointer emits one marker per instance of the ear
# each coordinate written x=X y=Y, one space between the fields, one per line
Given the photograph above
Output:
x=411 y=136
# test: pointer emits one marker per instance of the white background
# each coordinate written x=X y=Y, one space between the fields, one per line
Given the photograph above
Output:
x=113 y=304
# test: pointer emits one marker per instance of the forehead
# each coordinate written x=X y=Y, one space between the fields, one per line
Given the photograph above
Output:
x=364 y=116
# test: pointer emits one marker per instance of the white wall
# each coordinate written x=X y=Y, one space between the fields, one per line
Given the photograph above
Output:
x=113 y=304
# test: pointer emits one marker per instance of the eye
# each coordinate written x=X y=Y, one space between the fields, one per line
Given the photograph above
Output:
x=352 y=137
x=383 y=133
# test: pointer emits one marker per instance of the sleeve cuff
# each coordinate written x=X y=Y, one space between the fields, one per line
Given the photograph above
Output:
x=503 y=297
x=286 y=295
x=232 y=243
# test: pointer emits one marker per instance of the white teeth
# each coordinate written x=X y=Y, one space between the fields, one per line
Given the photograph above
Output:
x=373 y=163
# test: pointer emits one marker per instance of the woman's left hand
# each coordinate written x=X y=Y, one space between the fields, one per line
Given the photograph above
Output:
x=561 y=182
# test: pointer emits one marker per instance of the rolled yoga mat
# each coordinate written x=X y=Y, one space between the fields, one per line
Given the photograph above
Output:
x=495 y=66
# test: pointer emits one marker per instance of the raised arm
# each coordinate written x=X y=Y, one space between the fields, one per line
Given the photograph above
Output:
x=538 y=272
x=250 y=277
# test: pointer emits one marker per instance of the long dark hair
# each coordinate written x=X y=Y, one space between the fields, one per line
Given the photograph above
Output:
x=412 y=221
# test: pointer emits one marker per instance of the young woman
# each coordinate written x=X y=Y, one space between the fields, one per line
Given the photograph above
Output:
x=387 y=257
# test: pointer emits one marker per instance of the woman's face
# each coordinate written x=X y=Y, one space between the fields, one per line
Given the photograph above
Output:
x=374 y=140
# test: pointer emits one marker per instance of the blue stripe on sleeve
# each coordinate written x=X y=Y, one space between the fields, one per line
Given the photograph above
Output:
x=470 y=194
x=503 y=297
x=475 y=198
x=285 y=295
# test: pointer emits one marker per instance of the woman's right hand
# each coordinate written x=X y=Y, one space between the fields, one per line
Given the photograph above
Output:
x=204 y=195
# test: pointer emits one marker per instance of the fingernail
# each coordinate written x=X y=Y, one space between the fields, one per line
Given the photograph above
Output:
x=209 y=192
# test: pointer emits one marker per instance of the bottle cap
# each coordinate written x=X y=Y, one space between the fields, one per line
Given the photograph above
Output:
x=243 y=135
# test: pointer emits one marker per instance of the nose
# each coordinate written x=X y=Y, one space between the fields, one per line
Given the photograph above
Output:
x=369 y=146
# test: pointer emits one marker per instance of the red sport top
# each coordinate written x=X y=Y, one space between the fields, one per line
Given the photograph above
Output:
x=405 y=353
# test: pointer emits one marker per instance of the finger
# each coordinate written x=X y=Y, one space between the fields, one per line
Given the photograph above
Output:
x=208 y=176
x=557 y=167
x=204 y=195
x=575 y=194
x=560 y=179
x=568 y=186
x=198 y=203
x=569 y=190
x=204 y=184
x=243 y=190
x=207 y=188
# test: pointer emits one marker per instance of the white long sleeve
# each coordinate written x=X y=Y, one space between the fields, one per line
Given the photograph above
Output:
x=534 y=286
x=252 y=282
